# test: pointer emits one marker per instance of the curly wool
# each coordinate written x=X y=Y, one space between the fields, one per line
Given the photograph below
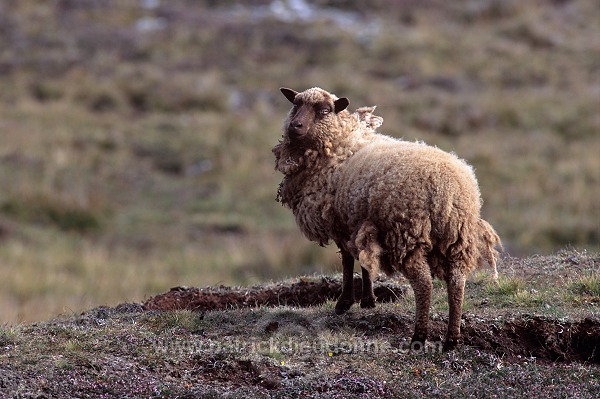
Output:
x=349 y=179
x=415 y=197
x=307 y=187
x=393 y=205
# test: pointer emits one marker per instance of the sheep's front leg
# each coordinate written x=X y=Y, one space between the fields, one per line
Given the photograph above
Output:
x=346 y=299
x=368 y=296
x=456 y=291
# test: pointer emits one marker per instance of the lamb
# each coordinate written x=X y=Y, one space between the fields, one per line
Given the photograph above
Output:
x=393 y=205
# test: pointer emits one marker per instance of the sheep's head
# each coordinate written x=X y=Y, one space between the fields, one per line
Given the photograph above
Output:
x=312 y=112
x=312 y=125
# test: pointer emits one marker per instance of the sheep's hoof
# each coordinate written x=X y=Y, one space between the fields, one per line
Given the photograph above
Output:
x=451 y=344
x=367 y=303
x=342 y=307
x=417 y=342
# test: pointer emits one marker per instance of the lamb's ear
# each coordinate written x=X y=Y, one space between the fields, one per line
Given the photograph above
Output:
x=341 y=104
x=289 y=93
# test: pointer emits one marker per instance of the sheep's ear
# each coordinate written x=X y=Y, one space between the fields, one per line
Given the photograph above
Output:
x=289 y=93
x=341 y=104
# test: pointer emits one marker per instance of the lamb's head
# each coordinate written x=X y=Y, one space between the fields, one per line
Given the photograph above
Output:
x=313 y=112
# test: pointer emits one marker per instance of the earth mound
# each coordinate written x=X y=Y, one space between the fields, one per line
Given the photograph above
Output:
x=521 y=337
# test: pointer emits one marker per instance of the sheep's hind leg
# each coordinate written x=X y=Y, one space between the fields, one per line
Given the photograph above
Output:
x=419 y=275
x=346 y=299
x=369 y=252
x=456 y=291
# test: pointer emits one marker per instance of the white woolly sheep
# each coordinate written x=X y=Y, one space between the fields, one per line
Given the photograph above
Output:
x=393 y=205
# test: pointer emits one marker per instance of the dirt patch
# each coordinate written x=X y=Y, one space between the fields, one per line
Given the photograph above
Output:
x=523 y=337
x=539 y=337
x=517 y=339
x=303 y=293
x=237 y=372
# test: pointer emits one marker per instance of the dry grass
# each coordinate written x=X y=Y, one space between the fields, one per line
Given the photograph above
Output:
x=134 y=160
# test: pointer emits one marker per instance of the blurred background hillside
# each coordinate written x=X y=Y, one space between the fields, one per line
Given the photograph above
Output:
x=136 y=135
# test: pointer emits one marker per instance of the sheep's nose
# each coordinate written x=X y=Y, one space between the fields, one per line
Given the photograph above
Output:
x=296 y=129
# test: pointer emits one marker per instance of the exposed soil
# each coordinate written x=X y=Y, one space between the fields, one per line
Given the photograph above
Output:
x=522 y=337
x=239 y=372
x=519 y=338
x=539 y=337
x=303 y=293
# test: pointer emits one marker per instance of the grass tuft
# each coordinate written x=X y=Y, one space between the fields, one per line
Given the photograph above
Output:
x=9 y=335
x=513 y=291
x=506 y=286
x=183 y=319
x=588 y=285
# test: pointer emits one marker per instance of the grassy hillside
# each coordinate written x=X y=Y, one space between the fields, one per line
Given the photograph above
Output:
x=135 y=136
x=535 y=334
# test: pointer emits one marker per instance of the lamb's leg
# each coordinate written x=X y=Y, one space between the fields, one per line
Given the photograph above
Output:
x=346 y=299
x=368 y=296
x=418 y=274
x=456 y=290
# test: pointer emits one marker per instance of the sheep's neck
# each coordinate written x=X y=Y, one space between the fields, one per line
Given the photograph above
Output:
x=310 y=192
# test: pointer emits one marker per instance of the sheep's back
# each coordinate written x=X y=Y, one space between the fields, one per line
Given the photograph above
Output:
x=416 y=195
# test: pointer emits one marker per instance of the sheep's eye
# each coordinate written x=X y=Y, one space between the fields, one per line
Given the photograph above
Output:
x=324 y=111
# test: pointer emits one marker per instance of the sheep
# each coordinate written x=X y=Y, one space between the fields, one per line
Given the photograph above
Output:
x=393 y=205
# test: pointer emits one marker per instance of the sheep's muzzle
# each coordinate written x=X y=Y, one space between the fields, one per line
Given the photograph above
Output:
x=301 y=122
x=296 y=129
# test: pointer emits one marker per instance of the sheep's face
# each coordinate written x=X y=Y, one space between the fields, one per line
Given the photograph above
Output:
x=310 y=109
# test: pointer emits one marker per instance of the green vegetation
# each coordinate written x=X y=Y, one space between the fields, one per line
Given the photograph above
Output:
x=135 y=138
x=587 y=285
x=507 y=286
